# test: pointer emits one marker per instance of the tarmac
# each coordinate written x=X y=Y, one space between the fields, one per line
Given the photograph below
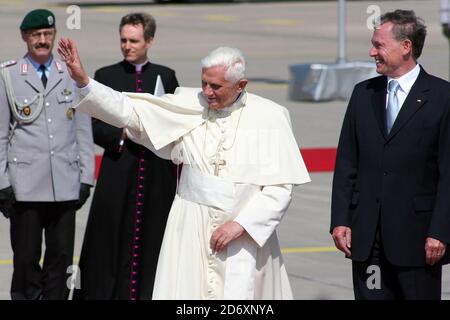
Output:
x=272 y=35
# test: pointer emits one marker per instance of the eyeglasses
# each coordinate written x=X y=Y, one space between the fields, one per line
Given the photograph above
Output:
x=37 y=35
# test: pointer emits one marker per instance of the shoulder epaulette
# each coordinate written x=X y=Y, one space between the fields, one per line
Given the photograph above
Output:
x=7 y=63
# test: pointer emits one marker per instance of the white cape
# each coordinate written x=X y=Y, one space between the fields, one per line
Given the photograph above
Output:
x=262 y=161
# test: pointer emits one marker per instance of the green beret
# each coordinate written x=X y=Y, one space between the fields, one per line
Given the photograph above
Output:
x=38 y=19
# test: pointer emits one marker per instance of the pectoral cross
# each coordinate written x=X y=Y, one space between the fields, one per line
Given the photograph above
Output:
x=217 y=162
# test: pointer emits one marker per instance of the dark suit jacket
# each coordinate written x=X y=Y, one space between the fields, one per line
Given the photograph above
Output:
x=400 y=180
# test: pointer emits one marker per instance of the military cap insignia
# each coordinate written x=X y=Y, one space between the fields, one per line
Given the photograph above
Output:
x=7 y=64
x=69 y=113
x=38 y=19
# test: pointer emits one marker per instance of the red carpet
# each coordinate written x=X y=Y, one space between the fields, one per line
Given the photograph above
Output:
x=98 y=161
x=319 y=159
x=316 y=159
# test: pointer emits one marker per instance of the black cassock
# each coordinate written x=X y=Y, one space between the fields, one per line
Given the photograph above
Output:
x=132 y=199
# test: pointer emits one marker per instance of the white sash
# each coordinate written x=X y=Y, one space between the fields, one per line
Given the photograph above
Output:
x=215 y=192
x=206 y=189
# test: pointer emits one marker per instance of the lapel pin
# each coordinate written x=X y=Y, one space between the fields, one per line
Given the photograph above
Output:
x=419 y=100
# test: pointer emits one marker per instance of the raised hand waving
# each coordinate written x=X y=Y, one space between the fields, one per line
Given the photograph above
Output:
x=69 y=54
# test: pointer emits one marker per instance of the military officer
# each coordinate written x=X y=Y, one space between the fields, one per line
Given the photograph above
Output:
x=46 y=161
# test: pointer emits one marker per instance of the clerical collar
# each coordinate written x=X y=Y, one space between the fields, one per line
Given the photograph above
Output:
x=139 y=66
x=240 y=101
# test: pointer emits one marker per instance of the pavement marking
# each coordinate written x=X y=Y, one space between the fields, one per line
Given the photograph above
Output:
x=220 y=17
x=11 y=2
x=109 y=9
x=267 y=86
x=165 y=14
x=309 y=250
x=280 y=22
x=7 y=262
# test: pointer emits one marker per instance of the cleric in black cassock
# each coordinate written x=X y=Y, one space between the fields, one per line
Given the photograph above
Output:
x=134 y=190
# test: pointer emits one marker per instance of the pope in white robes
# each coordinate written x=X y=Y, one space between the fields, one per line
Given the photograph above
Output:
x=239 y=162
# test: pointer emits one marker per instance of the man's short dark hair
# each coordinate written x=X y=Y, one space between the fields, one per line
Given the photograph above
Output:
x=407 y=26
x=147 y=21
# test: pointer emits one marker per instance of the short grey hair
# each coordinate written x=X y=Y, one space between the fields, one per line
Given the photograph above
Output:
x=231 y=59
x=406 y=25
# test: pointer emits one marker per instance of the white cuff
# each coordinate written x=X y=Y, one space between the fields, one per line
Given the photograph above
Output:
x=84 y=91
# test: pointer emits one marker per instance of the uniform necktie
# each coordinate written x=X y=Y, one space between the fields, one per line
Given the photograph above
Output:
x=392 y=105
x=43 y=77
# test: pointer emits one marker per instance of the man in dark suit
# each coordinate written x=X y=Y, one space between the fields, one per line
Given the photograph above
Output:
x=390 y=208
x=135 y=188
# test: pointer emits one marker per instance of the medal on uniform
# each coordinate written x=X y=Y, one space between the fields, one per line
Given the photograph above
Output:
x=26 y=110
x=69 y=113
x=66 y=92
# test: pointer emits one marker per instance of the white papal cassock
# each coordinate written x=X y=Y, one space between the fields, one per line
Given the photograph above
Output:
x=239 y=164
